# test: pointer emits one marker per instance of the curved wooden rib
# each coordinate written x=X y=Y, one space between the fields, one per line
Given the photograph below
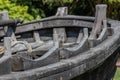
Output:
x=99 y=31
x=103 y=35
x=48 y=54
x=82 y=46
x=99 y=17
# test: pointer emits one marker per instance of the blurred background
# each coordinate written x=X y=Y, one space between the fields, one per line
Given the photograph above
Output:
x=37 y=9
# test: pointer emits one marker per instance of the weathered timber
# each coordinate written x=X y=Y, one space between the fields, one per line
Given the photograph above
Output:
x=8 y=22
x=37 y=36
x=62 y=11
x=5 y=60
x=78 y=48
x=61 y=47
x=100 y=16
x=80 y=36
x=103 y=35
x=70 y=21
x=35 y=46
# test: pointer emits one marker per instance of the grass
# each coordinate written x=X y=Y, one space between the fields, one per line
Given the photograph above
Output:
x=117 y=75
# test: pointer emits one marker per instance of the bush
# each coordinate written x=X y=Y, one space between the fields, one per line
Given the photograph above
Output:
x=37 y=9
x=16 y=11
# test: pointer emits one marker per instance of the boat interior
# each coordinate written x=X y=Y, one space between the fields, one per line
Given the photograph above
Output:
x=49 y=40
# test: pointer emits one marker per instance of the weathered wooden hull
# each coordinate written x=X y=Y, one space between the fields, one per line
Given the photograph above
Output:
x=98 y=60
x=61 y=47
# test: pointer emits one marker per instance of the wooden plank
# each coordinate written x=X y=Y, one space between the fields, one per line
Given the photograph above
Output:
x=60 y=32
x=9 y=22
x=62 y=11
x=80 y=36
x=61 y=35
x=53 y=23
x=4 y=16
x=7 y=46
x=36 y=36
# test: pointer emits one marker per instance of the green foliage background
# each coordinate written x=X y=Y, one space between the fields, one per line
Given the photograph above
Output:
x=117 y=75
x=37 y=9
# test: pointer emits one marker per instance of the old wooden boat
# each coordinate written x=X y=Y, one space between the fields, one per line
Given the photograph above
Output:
x=60 y=47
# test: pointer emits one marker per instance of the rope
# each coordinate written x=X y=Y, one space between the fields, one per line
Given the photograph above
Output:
x=27 y=45
x=1 y=50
